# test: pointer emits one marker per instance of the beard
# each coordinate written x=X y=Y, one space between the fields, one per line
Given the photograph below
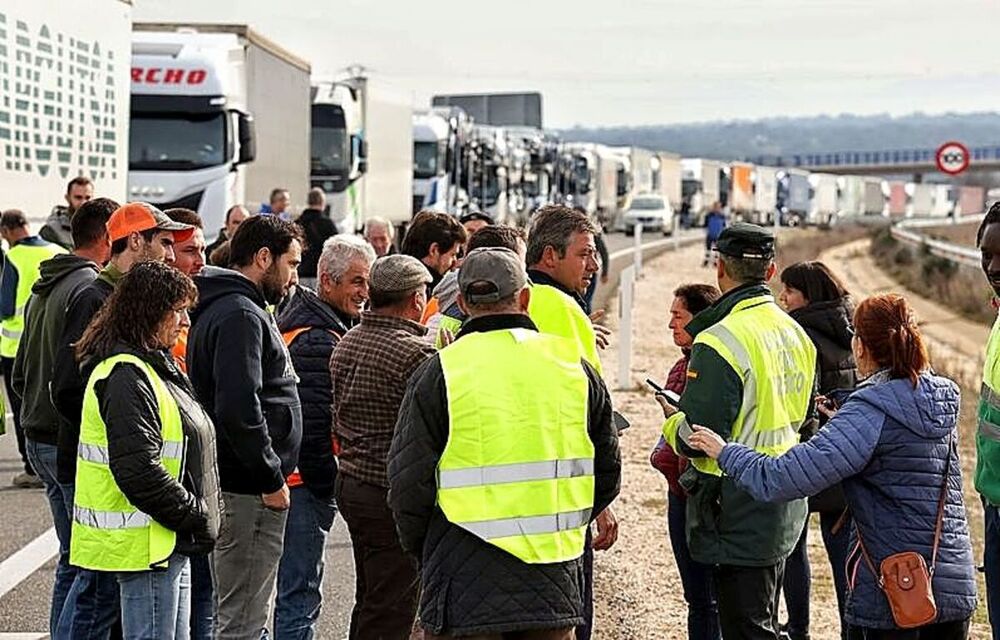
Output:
x=272 y=285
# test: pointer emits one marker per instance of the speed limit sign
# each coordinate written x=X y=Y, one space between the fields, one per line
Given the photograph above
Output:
x=952 y=158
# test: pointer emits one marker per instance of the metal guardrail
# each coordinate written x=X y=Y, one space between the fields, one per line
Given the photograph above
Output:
x=959 y=254
x=892 y=157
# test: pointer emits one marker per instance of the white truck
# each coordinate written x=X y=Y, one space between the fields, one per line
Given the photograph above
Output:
x=667 y=178
x=765 y=195
x=824 y=204
x=439 y=138
x=219 y=116
x=701 y=185
x=64 y=104
x=362 y=151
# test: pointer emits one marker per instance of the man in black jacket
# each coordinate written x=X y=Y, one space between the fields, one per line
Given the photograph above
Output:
x=316 y=227
x=528 y=574
x=44 y=322
x=138 y=232
x=312 y=324
x=243 y=375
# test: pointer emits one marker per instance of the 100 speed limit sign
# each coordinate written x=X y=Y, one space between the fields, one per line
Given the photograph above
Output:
x=952 y=158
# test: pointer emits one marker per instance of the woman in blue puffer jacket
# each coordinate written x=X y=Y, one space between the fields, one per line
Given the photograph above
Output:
x=891 y=443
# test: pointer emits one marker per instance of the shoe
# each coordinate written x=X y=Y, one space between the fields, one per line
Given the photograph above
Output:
x=28 y=481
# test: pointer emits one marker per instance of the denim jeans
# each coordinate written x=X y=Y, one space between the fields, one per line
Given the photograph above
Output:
x=202 y=598
x=991 y=562
x=156 y=605
x=245 y=565
x=7 y=368
x=42 y=457
x=697 y=579
x=91 y=608
x=300 y=572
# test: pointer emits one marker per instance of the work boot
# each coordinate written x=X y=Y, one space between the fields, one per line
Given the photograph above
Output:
x=26 y=480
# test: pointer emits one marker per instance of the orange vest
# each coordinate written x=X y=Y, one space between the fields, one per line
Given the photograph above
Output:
x=295 y=479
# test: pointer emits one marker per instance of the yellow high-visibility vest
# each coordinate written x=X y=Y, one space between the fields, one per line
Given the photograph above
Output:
x=109 y=533
x=556 y=313
x=26 y=259
x=518 y=468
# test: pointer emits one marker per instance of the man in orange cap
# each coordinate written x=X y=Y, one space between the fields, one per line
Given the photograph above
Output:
x=138 y=232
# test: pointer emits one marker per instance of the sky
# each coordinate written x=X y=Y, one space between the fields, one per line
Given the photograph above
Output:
x=643 y=62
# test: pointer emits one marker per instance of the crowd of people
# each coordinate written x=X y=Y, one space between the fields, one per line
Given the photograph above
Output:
x=198 y=414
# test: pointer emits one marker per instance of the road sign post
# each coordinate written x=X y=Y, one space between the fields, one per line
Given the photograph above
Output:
x=637 y=250
x=626 y=298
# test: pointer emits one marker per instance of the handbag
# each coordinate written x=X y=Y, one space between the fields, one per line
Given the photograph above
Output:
x=905 y=577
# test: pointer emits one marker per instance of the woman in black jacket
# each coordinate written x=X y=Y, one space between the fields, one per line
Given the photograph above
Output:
x=818 y=301
x=130 y=400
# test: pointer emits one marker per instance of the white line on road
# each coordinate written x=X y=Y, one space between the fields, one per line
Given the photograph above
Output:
x=22 y=635
x=27 y=560
x=621 y=253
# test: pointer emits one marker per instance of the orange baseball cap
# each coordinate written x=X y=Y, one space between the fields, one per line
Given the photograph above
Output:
x=134 y=217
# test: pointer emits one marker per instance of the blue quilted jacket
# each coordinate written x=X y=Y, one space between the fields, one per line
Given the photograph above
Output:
x=888 y=444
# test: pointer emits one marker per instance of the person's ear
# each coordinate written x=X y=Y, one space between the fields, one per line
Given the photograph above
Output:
x=462 y=305
x=263 y=259
x=771 y=270
x=524 y=299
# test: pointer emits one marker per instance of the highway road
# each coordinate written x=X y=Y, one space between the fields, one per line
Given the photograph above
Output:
x=27 y=543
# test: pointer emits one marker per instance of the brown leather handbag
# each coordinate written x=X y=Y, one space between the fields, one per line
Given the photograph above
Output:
x=905 y=577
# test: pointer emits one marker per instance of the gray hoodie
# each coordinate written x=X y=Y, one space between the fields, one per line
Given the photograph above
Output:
x=61 y=277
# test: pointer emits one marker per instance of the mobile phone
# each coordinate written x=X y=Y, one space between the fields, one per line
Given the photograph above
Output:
x=671 y=397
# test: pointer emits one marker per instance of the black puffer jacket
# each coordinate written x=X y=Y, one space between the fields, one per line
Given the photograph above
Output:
x=128 y=407
x=828 y=325
x=469 y=586
x=242 y=374
x=310 y=351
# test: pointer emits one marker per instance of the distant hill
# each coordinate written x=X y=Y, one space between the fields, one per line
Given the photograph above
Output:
x=743 y=138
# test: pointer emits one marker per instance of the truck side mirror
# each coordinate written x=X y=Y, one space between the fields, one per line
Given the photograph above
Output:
x=246 y=133
x=362 y=156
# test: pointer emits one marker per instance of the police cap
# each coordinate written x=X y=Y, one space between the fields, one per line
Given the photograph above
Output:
x=745 y=240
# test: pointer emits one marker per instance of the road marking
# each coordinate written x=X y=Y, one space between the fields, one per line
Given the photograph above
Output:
x=621 y=253
x=22 y=635
x=27 y=560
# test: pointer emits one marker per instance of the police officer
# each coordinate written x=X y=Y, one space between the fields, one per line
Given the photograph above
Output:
x=503 y=453
x=750 y=380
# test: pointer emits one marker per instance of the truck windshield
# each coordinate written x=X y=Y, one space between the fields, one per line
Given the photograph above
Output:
x=330 y=154
x=581 y=176
x=185 y=141
x=425 y=159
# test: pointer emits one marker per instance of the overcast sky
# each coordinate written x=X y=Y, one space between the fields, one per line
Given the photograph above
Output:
x=632 y=62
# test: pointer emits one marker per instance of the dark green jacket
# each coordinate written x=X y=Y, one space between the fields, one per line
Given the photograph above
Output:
x=724 y=524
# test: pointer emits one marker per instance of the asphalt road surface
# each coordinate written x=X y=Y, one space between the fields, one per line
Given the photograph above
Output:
x=27 y=544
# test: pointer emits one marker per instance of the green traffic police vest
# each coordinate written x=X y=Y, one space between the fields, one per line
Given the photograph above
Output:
x=556 y=313
x=109 y=533
x=776 y=362
x=26 y=259
x=518 y=468
x=988 y=432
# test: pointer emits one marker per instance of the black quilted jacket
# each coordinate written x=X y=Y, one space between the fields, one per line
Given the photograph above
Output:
x=469 y=586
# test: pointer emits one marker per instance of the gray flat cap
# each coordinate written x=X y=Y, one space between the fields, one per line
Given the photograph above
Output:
x=391 y=274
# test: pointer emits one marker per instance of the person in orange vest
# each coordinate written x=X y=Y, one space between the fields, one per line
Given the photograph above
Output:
x=312 y=324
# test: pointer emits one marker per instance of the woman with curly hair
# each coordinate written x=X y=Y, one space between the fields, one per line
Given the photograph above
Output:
x=147 y=488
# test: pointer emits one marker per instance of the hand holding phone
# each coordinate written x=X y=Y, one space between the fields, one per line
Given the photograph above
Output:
x=668 y=395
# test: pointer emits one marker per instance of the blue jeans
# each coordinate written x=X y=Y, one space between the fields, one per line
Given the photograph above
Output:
x=696 y=578
x=156 y=605
x=300 y=572
x=91 y=607
x=797 y=581
x=43 y=459
x=991 y=562
x=202 y=598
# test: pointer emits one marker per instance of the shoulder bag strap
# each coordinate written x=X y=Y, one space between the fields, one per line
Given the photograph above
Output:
x=942 y=499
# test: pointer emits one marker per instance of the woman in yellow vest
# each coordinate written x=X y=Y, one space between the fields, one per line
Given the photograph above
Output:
x=147 y=487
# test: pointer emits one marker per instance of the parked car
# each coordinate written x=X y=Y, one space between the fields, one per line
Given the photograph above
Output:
x=652 y=211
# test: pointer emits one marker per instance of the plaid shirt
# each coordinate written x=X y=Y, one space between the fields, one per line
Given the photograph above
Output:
x=369 y=368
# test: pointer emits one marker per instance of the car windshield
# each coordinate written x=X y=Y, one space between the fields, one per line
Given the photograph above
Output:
x=176 y=141
x=647 y=203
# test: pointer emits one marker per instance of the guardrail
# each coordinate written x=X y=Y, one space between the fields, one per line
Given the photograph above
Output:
x=959 y=254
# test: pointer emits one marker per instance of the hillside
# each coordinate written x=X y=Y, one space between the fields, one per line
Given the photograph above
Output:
x=774 y=136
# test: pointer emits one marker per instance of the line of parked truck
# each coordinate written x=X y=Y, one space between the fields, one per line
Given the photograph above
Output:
x=207 y=116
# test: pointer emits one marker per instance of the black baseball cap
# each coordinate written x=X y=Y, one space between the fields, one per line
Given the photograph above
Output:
x=745 y=240
x=477 y=215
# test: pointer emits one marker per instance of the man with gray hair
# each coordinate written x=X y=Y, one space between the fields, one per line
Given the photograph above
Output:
x=493 y=492
x=312 y=324
x=316 y=227
x=379 y=233
x=370 y=368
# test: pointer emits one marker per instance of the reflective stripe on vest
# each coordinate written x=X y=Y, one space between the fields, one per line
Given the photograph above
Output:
x=558 y=314
x=109 y=533
x=518 y=468
x=776 y=362
x=26 y=259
